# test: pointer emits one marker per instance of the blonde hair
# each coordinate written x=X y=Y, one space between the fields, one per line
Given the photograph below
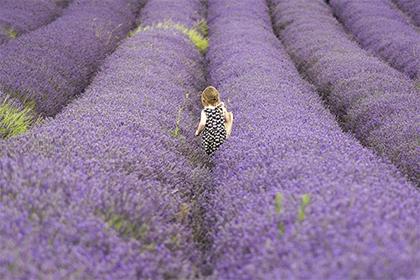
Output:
x=210 y=96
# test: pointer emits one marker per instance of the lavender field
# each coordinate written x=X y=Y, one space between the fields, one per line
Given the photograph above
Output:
x=101 y=176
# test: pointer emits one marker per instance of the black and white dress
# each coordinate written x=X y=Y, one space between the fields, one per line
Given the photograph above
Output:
x=214 y=132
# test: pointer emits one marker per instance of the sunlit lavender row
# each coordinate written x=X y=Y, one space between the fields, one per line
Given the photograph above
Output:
x=20 y=16
x=412 y=8
x=370 y=98
x=103 y=191
x=294 y=197
x=44 y=69
x=381 y=28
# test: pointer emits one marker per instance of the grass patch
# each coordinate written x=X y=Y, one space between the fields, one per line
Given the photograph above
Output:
x=125 y=227
x=14 y=121
x=202 y=27
x=10 y=32
x=278 y=205
x=197 y=34
x=177 y=131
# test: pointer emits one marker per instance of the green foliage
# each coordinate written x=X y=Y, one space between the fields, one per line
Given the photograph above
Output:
x=174 y=242
x=125 y=227
x=150 y=247
x=11 y=33
x=200 y=41
x=202 y=27
x=182 y=215
x=11 y=267
x=306 y=199
x=281 y=228
x=14 y=121
x=278 y=202
x=176 y=132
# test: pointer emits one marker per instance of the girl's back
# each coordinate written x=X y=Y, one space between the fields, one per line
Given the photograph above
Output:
x=214 y=132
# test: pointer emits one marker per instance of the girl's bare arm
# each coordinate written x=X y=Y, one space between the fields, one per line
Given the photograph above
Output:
x=225 y=114
x=202 y=123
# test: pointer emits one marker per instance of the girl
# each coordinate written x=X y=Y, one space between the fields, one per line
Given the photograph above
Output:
x=215 y=120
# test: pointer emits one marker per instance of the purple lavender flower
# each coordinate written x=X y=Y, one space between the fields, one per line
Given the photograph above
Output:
x=21 y=16
x=378 y=104
x=343 y=212
x=52 y=64
x=105 y=190
x=380 y=28
x=411 y=7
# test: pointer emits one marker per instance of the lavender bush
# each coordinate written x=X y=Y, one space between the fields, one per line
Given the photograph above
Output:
x=106 y=189
x=294 y=197
x=377 y=103
x=380 y=28
x=188 y=14
x=411 y=7
x=49 y=66
x=21 y=16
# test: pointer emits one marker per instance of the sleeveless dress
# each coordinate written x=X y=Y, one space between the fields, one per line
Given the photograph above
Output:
x=214 y=132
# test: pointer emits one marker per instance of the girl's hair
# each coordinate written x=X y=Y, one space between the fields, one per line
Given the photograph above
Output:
x=210 y=96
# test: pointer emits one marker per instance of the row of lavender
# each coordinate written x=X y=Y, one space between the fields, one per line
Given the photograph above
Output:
x=294 y=197
x=381 y=28
x=412 y=8
x=376 y=102
x=20 y=16
x=103 y=191
x=44 y=69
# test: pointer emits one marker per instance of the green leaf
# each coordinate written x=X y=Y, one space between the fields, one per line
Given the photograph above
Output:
x=11 y=33
x=278 y=202
x=202 y=27
x=306 y=199
x=281 y=228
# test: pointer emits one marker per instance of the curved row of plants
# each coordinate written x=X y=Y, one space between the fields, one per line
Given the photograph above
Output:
x=371 y=99
x=380 y=27
x=104 y=189
x=20 y=16
x=293 y=196
x=41 y=71
x=412 y=8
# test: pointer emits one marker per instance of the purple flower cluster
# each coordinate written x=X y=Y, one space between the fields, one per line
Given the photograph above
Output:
x=412 y=8
x=376 y=102
x=106 y=189
x=21 y=16
x=381 y=28
x=293 y=196
x=52 y=64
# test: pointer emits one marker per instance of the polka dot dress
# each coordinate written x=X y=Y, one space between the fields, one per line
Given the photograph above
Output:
x=214 y=132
